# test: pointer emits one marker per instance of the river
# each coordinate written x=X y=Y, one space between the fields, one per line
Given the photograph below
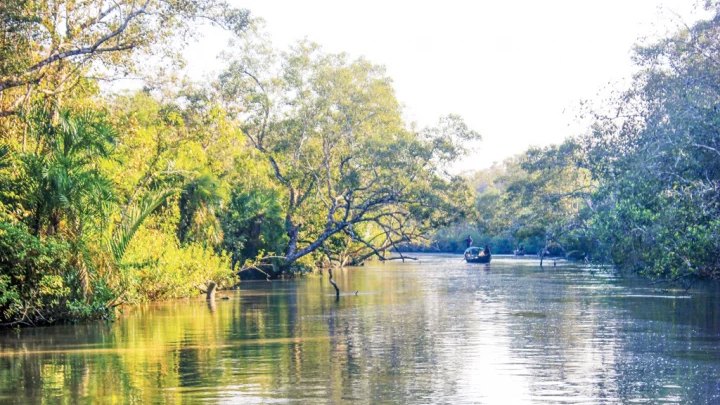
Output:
x=433 y=331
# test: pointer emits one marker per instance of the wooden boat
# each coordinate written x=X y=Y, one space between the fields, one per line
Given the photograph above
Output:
x=479 y=259
x=474 y=255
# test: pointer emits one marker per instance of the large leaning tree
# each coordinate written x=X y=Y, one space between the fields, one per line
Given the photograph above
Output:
x=332 y=131
x=49 y=46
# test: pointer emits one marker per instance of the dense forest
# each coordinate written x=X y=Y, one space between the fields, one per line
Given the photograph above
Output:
x=290 y=160
x=286 y=161
x=639 y=190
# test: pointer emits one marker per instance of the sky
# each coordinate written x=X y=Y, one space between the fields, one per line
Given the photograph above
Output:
x=516 y=71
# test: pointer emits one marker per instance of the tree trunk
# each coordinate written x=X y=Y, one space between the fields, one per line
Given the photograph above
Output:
x=544 y=249
x=211 y=291
x=293 y=232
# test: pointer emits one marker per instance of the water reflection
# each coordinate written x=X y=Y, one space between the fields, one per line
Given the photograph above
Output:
x=439 y=331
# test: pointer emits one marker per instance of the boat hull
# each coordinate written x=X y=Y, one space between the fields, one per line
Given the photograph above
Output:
x=479 y=259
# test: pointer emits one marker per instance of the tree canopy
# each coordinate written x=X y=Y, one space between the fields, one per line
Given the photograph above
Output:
x=50 y=46
x=640 y=188
x=291 y=160
x=332 y=131
x=658 y=159
x=287 y=160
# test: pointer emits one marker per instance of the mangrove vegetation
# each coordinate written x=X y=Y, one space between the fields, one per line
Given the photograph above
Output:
x=296 y=159
x=286 y=161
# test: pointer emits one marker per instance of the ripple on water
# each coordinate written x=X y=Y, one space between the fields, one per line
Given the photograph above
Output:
x=438 y=331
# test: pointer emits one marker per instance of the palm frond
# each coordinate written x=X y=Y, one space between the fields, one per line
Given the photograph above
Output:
x=124 y=232
x=4 y=156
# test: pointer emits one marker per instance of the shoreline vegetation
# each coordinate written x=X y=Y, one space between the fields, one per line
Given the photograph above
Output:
x=293 y=160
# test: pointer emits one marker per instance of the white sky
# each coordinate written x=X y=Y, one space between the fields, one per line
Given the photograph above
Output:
x=515 y=70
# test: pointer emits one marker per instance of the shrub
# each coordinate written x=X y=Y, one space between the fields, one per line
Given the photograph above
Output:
x=159 y=268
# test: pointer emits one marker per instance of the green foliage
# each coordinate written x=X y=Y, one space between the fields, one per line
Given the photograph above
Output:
x=536 y=200
x=290 y=160
x=35 y=276
x=159 y=268
x=54 y=206
x=641 y=189
x=60 y=202
x=80 y=175
x=48 y=48
x=201 y=197
x=657 y=206
x=254 y=223
x=136 y=215
x=64 y=186
x=353 y=177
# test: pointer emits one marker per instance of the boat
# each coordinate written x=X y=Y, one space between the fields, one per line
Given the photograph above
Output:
x=475 y=254
x=519 y=253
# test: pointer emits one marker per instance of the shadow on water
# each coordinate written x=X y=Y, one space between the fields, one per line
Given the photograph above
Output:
x=439 y=331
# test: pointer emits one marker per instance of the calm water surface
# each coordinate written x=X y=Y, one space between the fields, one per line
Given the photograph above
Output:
x=437 y=331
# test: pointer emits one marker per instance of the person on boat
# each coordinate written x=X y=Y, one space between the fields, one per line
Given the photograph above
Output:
x=468 y=242
x=486 y=251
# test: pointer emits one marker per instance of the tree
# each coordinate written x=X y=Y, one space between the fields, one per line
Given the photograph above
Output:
x=658 y=159
x=63 y=173
x=49 y=46
x=254 y=223
x=200 y=200
x=550 y=199
x=58 y=198
x=331 y=129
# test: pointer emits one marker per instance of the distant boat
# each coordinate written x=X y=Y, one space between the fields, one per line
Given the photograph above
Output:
x=519 y=252
x=475 y=254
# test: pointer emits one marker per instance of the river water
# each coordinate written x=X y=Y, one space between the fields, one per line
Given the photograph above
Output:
x=433 y=331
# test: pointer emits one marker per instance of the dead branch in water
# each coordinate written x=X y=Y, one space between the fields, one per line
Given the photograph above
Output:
x=337 y=290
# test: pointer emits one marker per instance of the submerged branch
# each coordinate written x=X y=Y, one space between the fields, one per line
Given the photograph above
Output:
x=337 y=290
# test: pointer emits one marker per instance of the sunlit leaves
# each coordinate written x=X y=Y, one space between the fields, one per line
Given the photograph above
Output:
x=331 y=130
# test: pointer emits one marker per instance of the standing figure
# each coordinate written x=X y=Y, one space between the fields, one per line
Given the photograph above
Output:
x=468 y=241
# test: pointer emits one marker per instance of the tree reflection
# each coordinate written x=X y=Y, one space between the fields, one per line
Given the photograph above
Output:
x=430 y=332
